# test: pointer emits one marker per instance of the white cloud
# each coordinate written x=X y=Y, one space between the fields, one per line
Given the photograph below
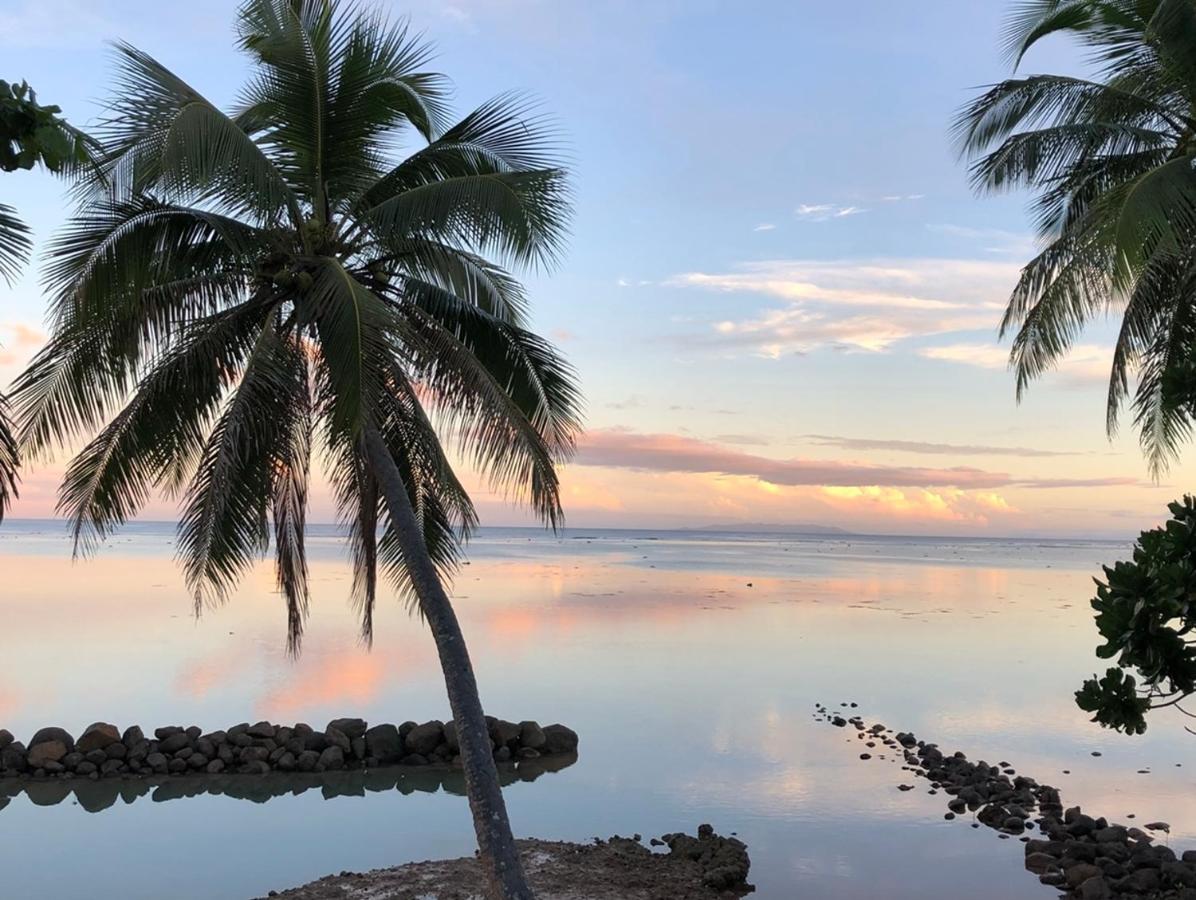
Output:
x=856 y=304
x=1085 y=364
x=822 y=212
x=764 y=226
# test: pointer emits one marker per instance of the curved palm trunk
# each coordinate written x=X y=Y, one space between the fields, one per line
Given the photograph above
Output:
x=499 y=856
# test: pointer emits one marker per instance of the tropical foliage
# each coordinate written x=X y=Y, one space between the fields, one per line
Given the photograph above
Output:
x=248 y=298
x=30 y=135
x=1146 y=613
x=1112 y=161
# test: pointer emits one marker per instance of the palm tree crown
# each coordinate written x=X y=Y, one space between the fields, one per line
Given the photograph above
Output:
x=1112 y=160
x=241 y=292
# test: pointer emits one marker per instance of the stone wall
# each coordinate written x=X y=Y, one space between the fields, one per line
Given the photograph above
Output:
x=103 y=751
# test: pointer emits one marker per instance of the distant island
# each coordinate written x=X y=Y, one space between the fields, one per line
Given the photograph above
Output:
x=773 y=528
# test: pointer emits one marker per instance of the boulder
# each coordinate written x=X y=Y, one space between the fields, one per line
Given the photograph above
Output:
x=166 y=731
x=332 y=758
x=158 y=762
x=133 y=736
x=306 y=761
x=532 y=735
x=13 y=757
x=423 y=739
x=215 y=767
x=502 y=732
x=6 y=738
x=97 y=736
x=337 y=738
x=46 y=751
x=175 y=742
x=54 y=734
x=560 y=739
x=384 y=744
x=351 y=728
x=261 y=730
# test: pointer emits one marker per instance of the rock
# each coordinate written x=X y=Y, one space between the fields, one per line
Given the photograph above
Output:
x=112 y=767
x=332 y=758
x=46 y=751
x=502 y=754
x=423 y=739
x=413 y=759
x=158 y=762
x=85 y=768
x=72 y=760
x=215 y=767
x=337 y=738
x=6 y=738
x=1040 y=862
x=351 y=728
x=133 y=736
x=502 y=732
x=197 y=761
x=1189 y=856
x=358 y=747
x=532 y=735
x=528 y=753
x=287 y=761
x=1095 y=888
x=559 y=739
x=46 y=735
x=384 y=744
x=1158 y=826
x=1081 y=872
x=306 y=761
x=1140 y=881
x=174 y=742
x=166 y=731
x=261 y=730
x=450 y=736
x=177 y=766
x=13 y=757
x=97 y=736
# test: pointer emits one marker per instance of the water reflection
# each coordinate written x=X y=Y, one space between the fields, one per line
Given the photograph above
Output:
x=99 y=795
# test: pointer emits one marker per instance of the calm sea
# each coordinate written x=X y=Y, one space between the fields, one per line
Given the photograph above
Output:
x=689 y=663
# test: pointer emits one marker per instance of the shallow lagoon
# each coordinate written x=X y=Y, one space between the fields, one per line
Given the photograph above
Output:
x=693 y=694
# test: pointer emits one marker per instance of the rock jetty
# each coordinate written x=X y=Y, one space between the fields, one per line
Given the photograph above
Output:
x=104 y=751
x=1081 y=856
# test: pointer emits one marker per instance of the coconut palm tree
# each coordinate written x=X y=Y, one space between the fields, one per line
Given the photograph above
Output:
x=1112 y=160
x=242 y=292
x=30 y=135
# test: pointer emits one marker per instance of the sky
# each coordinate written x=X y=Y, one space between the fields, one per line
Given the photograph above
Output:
x=780 y=293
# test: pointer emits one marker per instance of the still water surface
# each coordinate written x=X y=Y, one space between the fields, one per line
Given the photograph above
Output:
x=692 y=691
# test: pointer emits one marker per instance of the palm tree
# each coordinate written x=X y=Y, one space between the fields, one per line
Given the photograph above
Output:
x=1112 y=160
x=241 y=292
x=30 y=135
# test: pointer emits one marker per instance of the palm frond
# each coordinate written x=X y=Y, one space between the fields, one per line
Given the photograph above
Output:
x=15 y=244
x=10 y=460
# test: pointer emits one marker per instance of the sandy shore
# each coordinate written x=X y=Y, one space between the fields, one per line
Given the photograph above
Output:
x=705 y=868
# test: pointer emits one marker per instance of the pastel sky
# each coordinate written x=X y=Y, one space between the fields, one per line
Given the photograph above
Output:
x=781 y=294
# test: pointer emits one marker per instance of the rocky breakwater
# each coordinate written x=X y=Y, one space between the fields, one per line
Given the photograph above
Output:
x=103 y=751
x=1081 y=856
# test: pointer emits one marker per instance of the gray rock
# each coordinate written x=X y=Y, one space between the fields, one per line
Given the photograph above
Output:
x=358 y=746
x=332 y=758
x=287 y=761
x=502 y=754
x=532 y=735
x=197 y=761
x=450 y=736
x=133 y=736
x=414 y=759
x=46 y=751
x=1040 y=862
x=384 y=744
x=1081 y=872
x=97 y=736
x=6 y=738
x=503 y=733
x=560 y=739
x=61 y=735
x=423 y=739
x=306 y=761
x=13 y=757
x=166 y=731
x=112 y=767
x=351 y=728
x=85 y=768
x=177 y=766
x=1095 y=888
x=337 y=738
x=158 y=762
x=528 y=753
x=215 y=767
x=72 y=760
x=261 y=730
x=175 y=742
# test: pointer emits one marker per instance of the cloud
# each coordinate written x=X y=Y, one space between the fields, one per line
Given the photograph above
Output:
x=751 y=440
x=18 y=342
x=1084 y=365
x=928 y=447
x=764 y=226
x=822 y=212
x=866 y=304
x=899 y=198
x=620 y=448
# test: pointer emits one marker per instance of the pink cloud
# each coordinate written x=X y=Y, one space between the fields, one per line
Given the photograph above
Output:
x=618 y=448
